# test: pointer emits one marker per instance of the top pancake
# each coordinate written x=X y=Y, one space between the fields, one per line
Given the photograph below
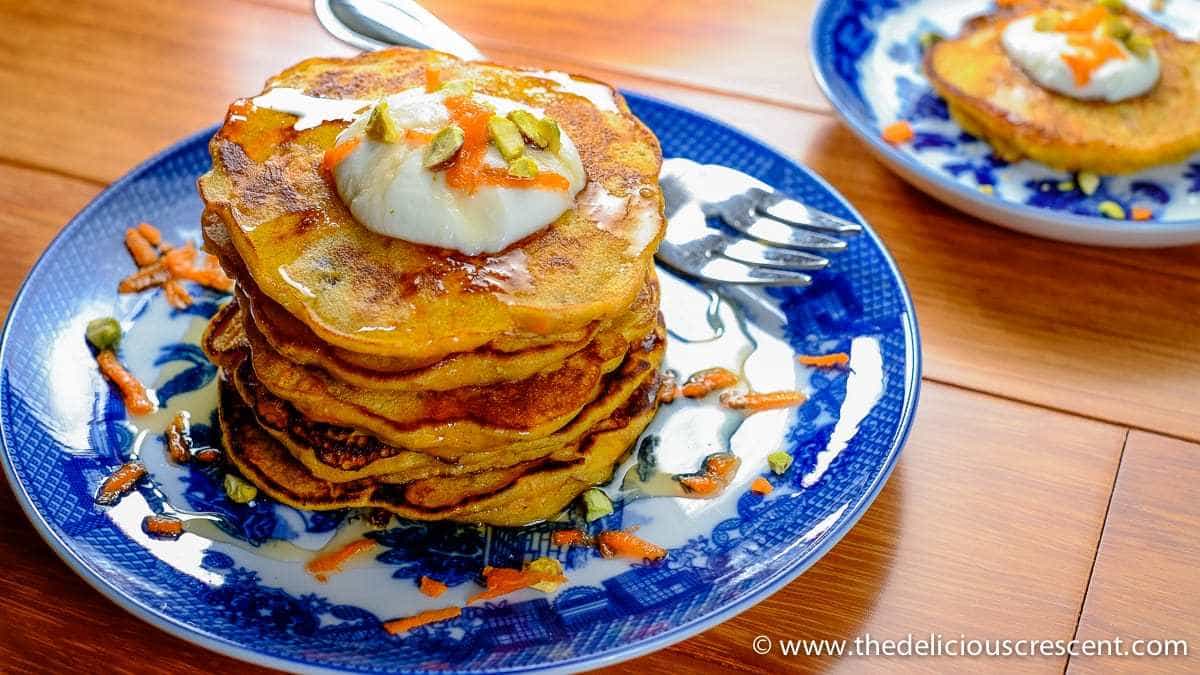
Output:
x=379 y=295
x=990 y=96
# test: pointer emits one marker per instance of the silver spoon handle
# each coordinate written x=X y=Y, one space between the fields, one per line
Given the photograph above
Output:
x=376 y=24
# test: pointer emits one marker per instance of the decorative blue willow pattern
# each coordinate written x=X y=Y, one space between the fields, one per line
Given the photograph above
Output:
x=874 y=55
x=63 y=431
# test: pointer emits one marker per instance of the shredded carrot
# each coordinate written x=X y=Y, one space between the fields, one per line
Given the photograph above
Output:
x=824 y=360
x=751 y=402
x=339 y=152
x=137 y=400
x=668 y=387
x=433 y=78
x=207 y=455
x=414 y=137
x=898 y=132
x=331 y=563
x=702 y=383
x=504 y=580
x=180 y=259
x=1093 y=53
x=151 y=233
x=762 y=486
x=722 y=466
x=703 y=484
x=1083 y=22
x=140 y=248
x=568 y=538
x=181 y=263
x=162 y=526
x=177 y=295
x=149 y=276
x=120 y=483
x=432 y=587
x=1140 y=213
x=618 y=543
x=424 y=618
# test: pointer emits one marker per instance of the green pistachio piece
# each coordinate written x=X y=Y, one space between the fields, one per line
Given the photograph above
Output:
x=506 y=137
x=523 y=167
x=238 y=490
x=530 y=126
x=444 y=146
x=1141 y=45
x=779 y=461
x=596 y=504
x=104 y=333
x=929 y=39
x=1111 y=209
x=1117 y=28
x=1088 y=182
x=1112 y=5
x=1047 y=21
x=1066 y=185
x=381 y=126
x=458 y=88
x=552 y=133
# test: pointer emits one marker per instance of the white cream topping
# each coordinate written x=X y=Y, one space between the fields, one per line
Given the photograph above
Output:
x=390 y=192
x=599 y=95
x=310 y=111
x=1039 y=54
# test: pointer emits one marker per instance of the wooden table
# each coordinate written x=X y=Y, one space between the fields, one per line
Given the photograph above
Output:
x=1047 y=491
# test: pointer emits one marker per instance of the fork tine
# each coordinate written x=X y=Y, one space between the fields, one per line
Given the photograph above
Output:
x=771 y=231
x=724 y=270
x=754 y=253
x=792 y=212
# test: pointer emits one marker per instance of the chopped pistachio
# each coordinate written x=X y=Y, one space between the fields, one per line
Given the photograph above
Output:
x=506 y=137
x=552 y=133
x=530 y=126
x=1112 y=5
x=596 y=504
x=1066 y=185
x=1141 y=45
x=444 y=146
x=1111 y=209
x=458 y=88
x=1117 y=28
x=1088 y=182
x=104 y=333
x=238 y=490
x=523 y=167
x=930 y=38
x=779 y=461
x=381 y=126
x=548 y=567
x=1047 y=21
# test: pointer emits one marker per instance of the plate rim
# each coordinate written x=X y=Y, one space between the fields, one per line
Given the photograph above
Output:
x=207 y=640
x=1185 y=231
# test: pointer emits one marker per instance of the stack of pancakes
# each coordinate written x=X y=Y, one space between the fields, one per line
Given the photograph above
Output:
x=363 y=370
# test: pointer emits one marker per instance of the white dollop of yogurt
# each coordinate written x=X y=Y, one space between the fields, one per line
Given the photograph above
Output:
x=1040 y=55
x=389 y=191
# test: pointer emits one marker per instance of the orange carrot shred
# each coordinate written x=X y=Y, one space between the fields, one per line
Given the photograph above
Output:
x=331 y=562
x=754 y=402
x=424 y=618
x=824 y=360
x=703 y=484
x=1140 y=213
x=151 y=233
x=433 y=78
x=177 y=295
x=722 y=466
x=137 y=400
x=179 y=438
x=162 y=526
x=898 y=132
x=702 y=383
x=762 y=486
x=668 y=388
x=432 y=587
x=140 y=248
x=339 y=152
x=619 y=543
x=505 y=580
x=120 y=483
x=149 y=276
x=568 y=538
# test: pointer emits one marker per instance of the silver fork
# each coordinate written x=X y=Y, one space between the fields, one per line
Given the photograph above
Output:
x=770 y=241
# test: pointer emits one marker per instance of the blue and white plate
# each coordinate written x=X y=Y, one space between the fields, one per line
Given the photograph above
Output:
x=866 y=55
x=240 y=587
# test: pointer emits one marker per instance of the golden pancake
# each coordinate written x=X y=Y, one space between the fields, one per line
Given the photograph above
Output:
x=991 y=97
x=340 y=454
x=510 y=497
x=380 y=295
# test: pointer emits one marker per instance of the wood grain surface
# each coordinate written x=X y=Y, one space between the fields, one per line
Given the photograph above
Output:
x=1041 y=359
